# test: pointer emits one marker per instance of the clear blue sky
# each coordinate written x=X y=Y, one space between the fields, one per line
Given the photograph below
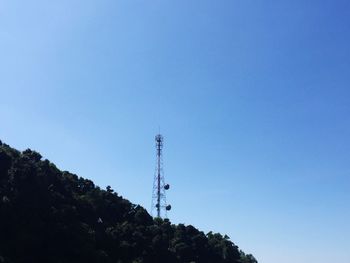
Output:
x=252 y=98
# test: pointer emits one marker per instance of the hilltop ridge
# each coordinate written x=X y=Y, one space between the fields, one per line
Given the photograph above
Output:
x=48 y=215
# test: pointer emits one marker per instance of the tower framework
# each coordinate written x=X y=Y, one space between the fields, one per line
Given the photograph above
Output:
x=159 y=203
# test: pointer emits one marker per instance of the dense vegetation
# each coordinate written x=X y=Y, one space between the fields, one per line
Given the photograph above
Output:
x=51 y=216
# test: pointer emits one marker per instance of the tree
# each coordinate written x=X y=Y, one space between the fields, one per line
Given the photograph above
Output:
x=47 y=215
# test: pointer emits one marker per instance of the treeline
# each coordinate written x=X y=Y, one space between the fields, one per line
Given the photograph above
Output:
x=51 y=216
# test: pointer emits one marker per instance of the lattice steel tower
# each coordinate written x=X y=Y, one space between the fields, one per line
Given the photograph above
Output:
x=159 y=186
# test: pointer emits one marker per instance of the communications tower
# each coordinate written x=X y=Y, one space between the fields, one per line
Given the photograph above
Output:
x=159 y=203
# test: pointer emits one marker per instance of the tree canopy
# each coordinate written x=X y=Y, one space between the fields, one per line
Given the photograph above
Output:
x=48 y=215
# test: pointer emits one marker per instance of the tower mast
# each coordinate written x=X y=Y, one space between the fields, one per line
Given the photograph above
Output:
x=159 y=186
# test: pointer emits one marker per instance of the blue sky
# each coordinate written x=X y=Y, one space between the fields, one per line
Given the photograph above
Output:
x=252 y=98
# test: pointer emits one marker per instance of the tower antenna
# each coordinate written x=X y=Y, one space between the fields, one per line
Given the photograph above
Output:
x=159 y=186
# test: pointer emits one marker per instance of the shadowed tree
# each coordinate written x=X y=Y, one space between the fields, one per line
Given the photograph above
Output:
x=47 y=215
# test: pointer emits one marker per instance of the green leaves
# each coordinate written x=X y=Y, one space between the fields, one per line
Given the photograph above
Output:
x=47 y=215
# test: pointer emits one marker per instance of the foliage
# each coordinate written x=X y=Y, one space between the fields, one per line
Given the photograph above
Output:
x=47 y=215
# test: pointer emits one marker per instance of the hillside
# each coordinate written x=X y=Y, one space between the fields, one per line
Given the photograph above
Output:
x=47 y=215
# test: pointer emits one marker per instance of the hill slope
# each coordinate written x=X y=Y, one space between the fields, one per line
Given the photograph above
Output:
x=47 y=215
